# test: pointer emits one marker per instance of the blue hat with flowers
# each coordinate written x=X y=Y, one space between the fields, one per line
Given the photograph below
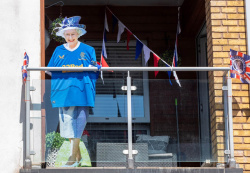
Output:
x=70 y=23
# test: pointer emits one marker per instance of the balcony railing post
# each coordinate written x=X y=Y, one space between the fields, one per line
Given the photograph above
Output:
x=27 y=163
x=232 y=162
x=130 y=156
x=225 y=100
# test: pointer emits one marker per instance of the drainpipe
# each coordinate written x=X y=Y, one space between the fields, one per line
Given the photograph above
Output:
x=225 y=98
x=247 y=14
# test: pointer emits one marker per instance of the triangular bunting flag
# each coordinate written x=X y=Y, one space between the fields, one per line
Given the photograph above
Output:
x=139 y=46
x=120 y=30
x=169 y=75
x=104 y=53
x=114 y=22
x=176 y=78
x=128 y=38
x=179 y=25
x=104 y=36
x=106 y=23
x=146 y=51
x=104 y=63
x=156 y=60
x=175 y=57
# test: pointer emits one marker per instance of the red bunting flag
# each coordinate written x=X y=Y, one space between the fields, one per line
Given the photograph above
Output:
x=104 y=63
x=156 y=60
x=128 y=38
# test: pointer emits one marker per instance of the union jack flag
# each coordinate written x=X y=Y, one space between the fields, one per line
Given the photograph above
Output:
x=240 y=66
x=25 y=65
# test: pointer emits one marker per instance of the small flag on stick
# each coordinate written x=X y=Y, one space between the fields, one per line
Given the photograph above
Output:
x=25 y=65
x=240 y=66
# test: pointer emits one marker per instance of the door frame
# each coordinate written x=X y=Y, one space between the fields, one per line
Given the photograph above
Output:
x=207 y=138
x=43 y=115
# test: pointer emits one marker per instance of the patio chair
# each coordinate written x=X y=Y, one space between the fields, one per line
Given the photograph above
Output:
x=151 y=153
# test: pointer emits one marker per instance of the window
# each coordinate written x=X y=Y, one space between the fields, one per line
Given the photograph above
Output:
x=111 y=99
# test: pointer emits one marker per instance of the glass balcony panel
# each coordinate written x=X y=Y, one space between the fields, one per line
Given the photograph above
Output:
x=180 y=131
x=171 y=125
x=106 y=127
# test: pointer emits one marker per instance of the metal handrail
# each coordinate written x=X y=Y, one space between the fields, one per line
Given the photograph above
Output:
x=128 y=69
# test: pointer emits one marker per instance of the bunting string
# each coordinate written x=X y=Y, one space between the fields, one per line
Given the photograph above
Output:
x=140 y=45
x=137 y=37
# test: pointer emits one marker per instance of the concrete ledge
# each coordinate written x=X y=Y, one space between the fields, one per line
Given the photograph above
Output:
x=137 y=170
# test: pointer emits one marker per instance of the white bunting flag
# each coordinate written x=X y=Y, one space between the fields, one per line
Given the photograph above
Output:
x=104 y=53
x=146 y=51
x=106 y=23
x=176 y=78
x=120 y=30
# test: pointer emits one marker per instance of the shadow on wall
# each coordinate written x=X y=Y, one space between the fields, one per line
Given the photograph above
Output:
x=23 y=117
x=245 y=112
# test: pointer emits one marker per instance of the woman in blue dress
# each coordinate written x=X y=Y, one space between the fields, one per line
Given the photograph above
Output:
x=73 y=92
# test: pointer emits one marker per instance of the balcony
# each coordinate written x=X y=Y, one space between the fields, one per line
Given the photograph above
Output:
x=137 y=125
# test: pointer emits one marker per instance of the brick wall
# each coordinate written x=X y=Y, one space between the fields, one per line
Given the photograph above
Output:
x=226 y=29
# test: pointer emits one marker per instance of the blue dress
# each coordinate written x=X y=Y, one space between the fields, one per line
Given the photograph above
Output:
x=73 y=92
x=73 y=88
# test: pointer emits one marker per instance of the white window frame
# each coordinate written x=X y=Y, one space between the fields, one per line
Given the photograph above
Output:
x=146 y=118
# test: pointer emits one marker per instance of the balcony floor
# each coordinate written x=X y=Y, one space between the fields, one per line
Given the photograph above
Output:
x=137 y=170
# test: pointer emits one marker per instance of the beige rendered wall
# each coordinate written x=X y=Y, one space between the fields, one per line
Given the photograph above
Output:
x=19 y=31
x=226 y=29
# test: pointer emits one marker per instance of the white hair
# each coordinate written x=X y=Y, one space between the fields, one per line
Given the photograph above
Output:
x=79 y=32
